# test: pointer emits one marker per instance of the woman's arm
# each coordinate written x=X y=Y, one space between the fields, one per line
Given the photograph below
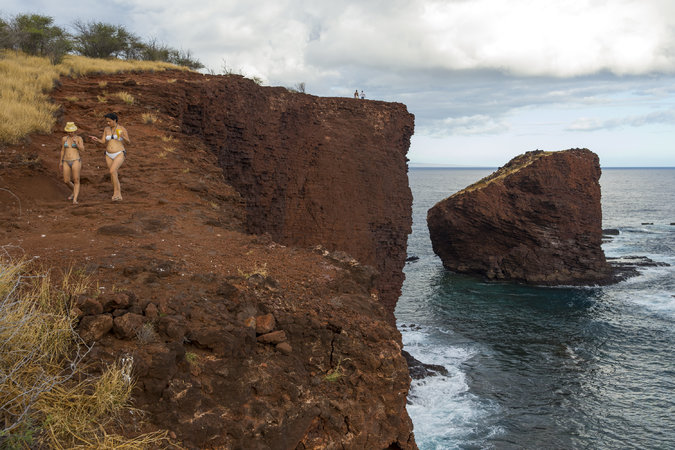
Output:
x=80 y=143
x=100 y=140
x=125 y=135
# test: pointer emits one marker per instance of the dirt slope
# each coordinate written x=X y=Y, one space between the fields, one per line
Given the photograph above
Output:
x=239 y=341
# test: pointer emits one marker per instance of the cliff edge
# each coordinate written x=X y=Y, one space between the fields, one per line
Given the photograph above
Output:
x=278 y=339
x=313 y=171
x=537 y=220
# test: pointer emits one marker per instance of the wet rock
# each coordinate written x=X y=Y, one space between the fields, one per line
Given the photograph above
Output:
x=419 y=370
x=610 y=232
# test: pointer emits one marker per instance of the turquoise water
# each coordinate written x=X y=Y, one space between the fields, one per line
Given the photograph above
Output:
x=538 y=367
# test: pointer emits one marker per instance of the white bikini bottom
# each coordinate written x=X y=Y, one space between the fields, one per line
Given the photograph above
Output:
x=114 y=155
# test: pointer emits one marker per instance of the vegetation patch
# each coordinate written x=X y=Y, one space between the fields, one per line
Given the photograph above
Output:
x=47 y=400
x=149 y=118
x=513 y=166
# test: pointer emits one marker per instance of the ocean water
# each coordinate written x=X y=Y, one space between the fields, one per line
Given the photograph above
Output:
x=546 y=367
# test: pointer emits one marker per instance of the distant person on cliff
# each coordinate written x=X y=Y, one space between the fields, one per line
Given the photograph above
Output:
x=356 y=93
x=70 y=163
x=363 y=96
x=114 y=136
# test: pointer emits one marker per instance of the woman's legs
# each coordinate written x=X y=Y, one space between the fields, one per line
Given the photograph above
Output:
x=77 y=167
x=66 y=178
x=114 y=165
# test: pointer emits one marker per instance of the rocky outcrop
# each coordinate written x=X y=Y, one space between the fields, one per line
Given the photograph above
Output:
x=328 y=171
x=237 y=340
x=247 y=361
x=538 y=220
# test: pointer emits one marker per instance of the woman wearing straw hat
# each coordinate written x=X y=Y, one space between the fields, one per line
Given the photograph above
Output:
x=70 y=161
x=114 y=136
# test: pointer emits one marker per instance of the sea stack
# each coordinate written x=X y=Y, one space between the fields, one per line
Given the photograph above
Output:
x=536 y=220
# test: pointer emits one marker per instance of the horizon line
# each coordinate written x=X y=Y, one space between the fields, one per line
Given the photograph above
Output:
x=455 y=166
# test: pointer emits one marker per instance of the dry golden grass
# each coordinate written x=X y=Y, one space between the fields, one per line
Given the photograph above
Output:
x=102 y=84
x=125 y=97
x=24 y=107
x=102 y=99
x=161 y=154
x=168 y=139
x=73 y=99
x=149 y=118
x=46 y=399
x=26 y=80
x=513 y=166
x=75 y=66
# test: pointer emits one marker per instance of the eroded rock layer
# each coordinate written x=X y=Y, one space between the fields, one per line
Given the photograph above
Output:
x=538 y=220
x=329 y=171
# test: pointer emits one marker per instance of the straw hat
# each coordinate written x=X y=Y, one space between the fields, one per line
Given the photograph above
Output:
x=70 y=126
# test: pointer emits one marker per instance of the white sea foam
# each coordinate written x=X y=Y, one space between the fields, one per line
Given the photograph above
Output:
x=442 y=409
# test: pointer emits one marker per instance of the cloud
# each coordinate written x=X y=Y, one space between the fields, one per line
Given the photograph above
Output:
x=465 y=126
x=518 y=37
x=594 y=124
x=523 y=72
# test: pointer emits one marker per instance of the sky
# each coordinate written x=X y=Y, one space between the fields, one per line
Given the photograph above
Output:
x=486 y=79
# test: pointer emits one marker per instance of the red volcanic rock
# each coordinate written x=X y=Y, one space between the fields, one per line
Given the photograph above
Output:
x=537 y=220
x=264 y=324
x=126 y=326
x=93 y=328
x=226 y=156
x=313 y=171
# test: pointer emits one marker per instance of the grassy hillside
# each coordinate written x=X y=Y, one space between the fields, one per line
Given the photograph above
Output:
x=26 y=80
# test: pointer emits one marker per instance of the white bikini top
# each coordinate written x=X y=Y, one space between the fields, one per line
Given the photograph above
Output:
x=113 y=136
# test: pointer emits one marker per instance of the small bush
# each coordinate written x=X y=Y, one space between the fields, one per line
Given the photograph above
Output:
x=125 y=97
x=147 y=334
x=149 y=118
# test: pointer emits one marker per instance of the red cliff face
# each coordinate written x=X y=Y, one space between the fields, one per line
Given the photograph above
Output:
x=329 y=171
x=538 y=220
x=237 y=340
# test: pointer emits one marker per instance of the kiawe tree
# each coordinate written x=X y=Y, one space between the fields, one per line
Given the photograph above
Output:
x=102 y=40
x=35 y=35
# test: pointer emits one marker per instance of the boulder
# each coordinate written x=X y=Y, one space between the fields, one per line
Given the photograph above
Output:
x=537 y=220
x=93 y=328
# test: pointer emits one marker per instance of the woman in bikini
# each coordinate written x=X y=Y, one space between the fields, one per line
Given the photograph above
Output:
x=114 y=136
x=70 y=162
